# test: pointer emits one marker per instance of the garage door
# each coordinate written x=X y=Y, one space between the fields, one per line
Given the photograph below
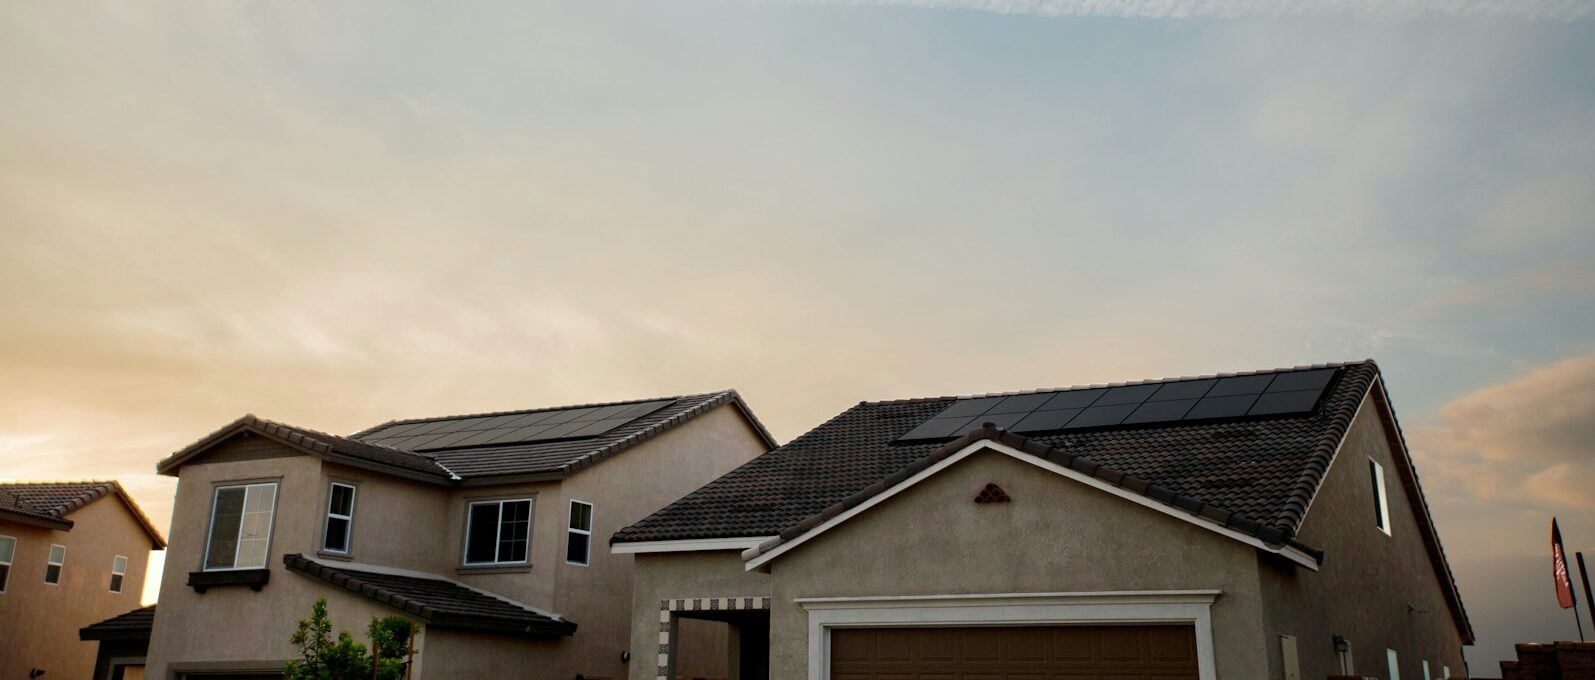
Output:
x=1028 y=653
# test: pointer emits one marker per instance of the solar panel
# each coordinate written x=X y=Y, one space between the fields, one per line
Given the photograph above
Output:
x=513 y=428
x=1268 y=394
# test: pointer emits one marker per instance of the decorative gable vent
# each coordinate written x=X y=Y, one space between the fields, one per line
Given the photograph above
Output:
x=992 y=494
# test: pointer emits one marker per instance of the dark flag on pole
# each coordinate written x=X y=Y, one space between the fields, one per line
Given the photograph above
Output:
x=1564 y=584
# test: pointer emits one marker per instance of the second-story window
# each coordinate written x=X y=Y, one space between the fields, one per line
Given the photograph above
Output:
x=240 y=526
x=579 y=536
x=52 y=570
x=497 y=532
x=340 y=518
x=8 y=549
x=118 y=572
x=1381 y=500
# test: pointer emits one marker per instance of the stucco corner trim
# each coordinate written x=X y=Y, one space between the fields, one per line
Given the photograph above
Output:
x=758 y=556
x=1192 y=607
x=689 y=545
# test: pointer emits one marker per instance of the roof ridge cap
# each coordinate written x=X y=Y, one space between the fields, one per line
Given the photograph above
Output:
x=565 y=407
x=1127 y=383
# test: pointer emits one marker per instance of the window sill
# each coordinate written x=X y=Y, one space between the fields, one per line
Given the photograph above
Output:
x=201 y=581
x=341 y=557
x=495 y=569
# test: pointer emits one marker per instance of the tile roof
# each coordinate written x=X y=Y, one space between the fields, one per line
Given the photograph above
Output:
x=1259 y=471
x=50 y=503
x=134 y=625
x=480 y=464
x=439 y=601
x=561 y=457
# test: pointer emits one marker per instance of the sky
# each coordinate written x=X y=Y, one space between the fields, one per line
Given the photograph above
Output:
x=338 y=214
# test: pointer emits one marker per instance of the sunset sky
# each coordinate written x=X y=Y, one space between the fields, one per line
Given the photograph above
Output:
x=334 y=214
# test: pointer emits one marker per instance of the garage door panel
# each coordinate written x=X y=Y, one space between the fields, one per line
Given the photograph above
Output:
x=1015 y=653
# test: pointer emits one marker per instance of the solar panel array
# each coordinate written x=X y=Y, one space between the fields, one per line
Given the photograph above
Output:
x=512 y=428
x=1267 y=394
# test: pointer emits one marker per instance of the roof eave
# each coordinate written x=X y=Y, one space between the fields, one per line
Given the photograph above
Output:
x=34 y=520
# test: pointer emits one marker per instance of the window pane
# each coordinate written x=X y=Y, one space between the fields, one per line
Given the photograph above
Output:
x=57 y=554
x=337 y=535
x=576 y=547
x=119 y=565
x=251 y=553
x=481 y=533
x=5 y=575
x=514 y=526
x=52 y=574
x=342 y=500
x=229 y=513
x=116 y=583
x=8 y=548
x=581 y=516
x=1374 y=474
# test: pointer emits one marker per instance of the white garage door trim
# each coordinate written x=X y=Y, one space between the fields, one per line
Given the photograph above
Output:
x=1156 y=606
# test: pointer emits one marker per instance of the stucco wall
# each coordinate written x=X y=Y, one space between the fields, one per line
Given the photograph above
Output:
x=1056 y=536
x=668 y=576
x=39 y=622
x=1368 y=579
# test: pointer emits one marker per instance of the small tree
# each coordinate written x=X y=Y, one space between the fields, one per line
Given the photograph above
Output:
x=390 y=636
x=324 y=659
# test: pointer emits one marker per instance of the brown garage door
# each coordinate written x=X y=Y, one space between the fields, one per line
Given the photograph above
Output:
x=1029 y=653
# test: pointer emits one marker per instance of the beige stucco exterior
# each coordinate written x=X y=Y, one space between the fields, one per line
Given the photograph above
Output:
x=39 y=622
x=420 y=526
x=1059 y=535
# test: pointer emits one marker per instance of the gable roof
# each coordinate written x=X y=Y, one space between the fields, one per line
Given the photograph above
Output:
x=437 y=600
x=1255 y=477
x=48 y=504
x=134 y=625
x=484 y=464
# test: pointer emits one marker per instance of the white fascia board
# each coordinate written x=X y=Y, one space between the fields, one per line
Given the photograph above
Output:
x=1288 y=552
x=689 y=545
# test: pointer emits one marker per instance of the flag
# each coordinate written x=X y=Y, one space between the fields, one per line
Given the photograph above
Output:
x=1564 y=584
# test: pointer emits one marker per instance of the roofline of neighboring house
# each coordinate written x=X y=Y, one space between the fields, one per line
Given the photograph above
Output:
x=55 y=518
x=1076 y=467
x=315 y=443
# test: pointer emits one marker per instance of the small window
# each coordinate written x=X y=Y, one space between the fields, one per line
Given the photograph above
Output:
x=340 y=518
x=1381 y=500
x=118 y=572
x=1395 y=666
x=579 y=537
x=496 y=532
x=1445 y=673
x=1426 y=670
x=1287 y=654
x=52 y=571
x=240 y=527
x=8 y=550
x=1343 y=656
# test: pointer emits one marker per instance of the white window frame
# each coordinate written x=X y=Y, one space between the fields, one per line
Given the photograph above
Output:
x=498 y=532
x=326 y=522
x=49 y=561
x=1382 y=496
x=570 y=514
x=1393 y=661
x=1445 y=673
x=8 y=562
x=1426 y=675
x=210 y=530
x=115 y=573
x=1192 y=607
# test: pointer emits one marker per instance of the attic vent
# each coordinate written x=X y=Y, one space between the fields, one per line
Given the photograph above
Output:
x=992 y=494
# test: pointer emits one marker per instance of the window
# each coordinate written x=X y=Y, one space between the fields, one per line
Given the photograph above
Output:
x=1381 y=501
x=1287 y=654
x=240 y=526
x=1343 y=655
x=579 y=535
x=52 y=571
x=340 y=518
x=496 y=532
x=1395 y=667
x=1426 y=671
x=118 y=572
x=8 y=549
x=1445 y=673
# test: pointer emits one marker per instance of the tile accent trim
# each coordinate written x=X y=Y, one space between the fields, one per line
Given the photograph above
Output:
x=668 y=609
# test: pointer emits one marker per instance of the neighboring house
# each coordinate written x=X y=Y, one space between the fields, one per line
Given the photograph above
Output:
x=123 y=643
x=1243 y=526
x=71 y=554
x=478 y=528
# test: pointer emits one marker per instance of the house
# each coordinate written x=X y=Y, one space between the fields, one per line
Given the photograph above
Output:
x=123 y=643
x=71 y=553
x=480 y=529
x=1238 y=526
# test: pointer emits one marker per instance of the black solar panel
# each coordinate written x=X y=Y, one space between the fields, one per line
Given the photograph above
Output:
x=1268 y=394
x=513 y=428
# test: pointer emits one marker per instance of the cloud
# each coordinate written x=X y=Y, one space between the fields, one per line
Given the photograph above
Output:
x=1538 y=10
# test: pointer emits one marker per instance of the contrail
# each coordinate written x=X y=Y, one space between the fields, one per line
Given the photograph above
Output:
x=1531 y=10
